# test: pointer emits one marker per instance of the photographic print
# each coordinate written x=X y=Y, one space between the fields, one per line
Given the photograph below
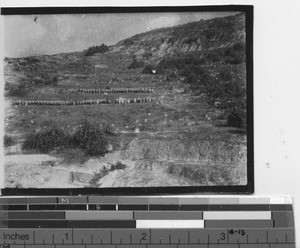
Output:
x=130 y=98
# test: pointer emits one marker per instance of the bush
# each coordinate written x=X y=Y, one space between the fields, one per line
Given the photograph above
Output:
x=237 y=116
x=96 y=49
x=192 y=69
x=18 y=90
x=233 y=60
x=172 y=76
x=189 y=172
x=8 y=141
x=213 y=56
x=46 y=79
x=147 y=55
x=136 y=64
x=109 y=130
x=118 y=166
x=97 y=176
x=91 y=139
x=225 y=75
x=236 y=54
x=239 y=46
x=128 y=42
x=51 y=80
x=46 y=141
x=181 y=61
x=148 y=69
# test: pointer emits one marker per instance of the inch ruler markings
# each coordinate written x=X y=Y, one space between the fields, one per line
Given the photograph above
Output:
x=146 y=222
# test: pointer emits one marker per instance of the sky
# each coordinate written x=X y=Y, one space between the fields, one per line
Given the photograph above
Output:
x=26 y=35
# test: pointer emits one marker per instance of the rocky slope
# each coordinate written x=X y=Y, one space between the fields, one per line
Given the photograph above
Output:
x=195 y=36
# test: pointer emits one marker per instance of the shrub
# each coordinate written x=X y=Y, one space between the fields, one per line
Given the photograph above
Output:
x=189 y=172
x=171 y=76
x=147 y=55
x=235 y=54
x=118 y=166
x=239 y=46
x=46 y=141
x=91 y=139
x=233 y=60
x=46 y=80
x=128 y=42
x=96 y=49
x=192 y=69
x=136 y=64
x=18 y=90
x=97 y=176
x=213 y=56
x=181 y=61
x=52 y=80
x=8 y=140
x=234 y=89
x=225 y=75
x=109 y=130
x=148 y=69
x=237 y=116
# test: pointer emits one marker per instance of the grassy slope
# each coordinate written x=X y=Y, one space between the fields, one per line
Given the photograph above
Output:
x=174 y=119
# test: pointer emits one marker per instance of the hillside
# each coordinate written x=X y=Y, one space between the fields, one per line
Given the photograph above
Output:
x=162 y=108
x=192 y=37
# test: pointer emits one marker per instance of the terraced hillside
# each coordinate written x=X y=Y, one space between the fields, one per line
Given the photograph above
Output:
x=158 y=115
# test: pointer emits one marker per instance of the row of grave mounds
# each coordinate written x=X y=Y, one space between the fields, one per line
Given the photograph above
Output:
x=118 y=90
x=119 y=100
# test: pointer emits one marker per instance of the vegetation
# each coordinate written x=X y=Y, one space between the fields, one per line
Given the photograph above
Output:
x=118 y=166
x=94 y=182
x=16 y=90
x=236 y=54
x=8 y=140
x=128 y=42
x=237 y=116
x=136 y=64
x=148 y=69
x=209 y=175
x=24 y=86
x=89 y=138
x=218 y=84
x=181 y=61
x=46 y=141
x=46 y=79
x=179 y=112
x=96 y=49
x=147 y=55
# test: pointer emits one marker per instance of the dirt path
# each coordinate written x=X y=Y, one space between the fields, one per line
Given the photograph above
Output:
x=9 y=111
x=133 y=177
x=44 y=171
x=31 y=171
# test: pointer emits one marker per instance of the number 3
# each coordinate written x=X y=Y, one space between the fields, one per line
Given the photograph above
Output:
x=223 y=236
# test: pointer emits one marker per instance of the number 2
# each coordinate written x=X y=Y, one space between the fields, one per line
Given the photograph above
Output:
x=144 y=236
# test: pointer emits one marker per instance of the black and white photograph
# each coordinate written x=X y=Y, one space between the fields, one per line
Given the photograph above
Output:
x=128 y=98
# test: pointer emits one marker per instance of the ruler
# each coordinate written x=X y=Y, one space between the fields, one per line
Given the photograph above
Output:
x=146 y=222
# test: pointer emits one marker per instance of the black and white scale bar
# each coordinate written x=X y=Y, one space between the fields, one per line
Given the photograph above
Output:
x=22 y=223
x=156 y=207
